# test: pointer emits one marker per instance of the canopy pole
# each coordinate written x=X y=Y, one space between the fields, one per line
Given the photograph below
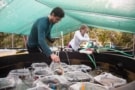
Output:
x=25 y=38
x=12 y=40
x=134 y=45
x=62 y=40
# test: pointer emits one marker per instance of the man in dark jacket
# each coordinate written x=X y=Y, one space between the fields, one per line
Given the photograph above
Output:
x=40 y=32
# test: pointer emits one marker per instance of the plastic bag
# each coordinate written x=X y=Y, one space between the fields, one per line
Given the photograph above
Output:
x=41 y=65
x=57 y=68
x=86 y=86
x=39 y=73
x=6 y=83
x=109 y=80
x=83 y=68
x=53 y=81
x=20 y=73
x=78 y=76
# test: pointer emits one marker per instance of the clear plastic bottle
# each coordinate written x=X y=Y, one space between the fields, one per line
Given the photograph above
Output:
x=56 y=68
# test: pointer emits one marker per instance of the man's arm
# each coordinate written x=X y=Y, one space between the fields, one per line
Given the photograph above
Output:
x=41 y=40
x=43 y=44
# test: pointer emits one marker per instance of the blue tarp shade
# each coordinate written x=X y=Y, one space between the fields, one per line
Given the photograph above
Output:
x=17 y=16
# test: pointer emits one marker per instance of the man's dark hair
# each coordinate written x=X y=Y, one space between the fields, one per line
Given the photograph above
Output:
x=57 y=11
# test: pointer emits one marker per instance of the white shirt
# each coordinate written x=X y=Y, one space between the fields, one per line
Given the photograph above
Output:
x=77 y=39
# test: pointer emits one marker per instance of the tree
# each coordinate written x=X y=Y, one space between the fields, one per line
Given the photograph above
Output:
x=101 y=35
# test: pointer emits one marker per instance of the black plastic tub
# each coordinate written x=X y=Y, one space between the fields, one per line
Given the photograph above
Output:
x=115 y=63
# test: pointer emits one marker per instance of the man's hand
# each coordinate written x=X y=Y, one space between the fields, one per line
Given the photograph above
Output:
x=55 y=58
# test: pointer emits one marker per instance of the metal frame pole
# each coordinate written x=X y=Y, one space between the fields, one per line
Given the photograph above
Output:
x=12 y=40
x=134 y=45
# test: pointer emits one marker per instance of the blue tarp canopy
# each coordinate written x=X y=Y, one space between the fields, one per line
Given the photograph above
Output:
x=17 y=16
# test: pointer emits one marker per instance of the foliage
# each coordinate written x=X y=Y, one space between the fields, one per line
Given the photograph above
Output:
x=11 y=41
x=102 y=36
x=117 y=38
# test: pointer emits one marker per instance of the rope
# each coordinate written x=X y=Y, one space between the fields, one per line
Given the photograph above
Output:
x=91 y=59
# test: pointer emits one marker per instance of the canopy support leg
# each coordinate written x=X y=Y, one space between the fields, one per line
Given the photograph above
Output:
x=134 y=45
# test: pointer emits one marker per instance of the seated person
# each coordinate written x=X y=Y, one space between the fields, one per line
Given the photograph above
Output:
x=79 y=36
